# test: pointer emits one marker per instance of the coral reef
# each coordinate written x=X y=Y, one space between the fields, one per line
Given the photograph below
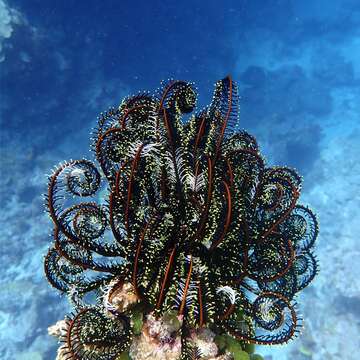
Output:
x=9 y=19
x=197 y=250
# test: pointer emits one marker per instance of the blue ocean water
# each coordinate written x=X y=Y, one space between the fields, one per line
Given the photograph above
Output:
x=298 y=68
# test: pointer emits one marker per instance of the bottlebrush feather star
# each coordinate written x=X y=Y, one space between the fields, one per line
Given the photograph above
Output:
x=193 y=222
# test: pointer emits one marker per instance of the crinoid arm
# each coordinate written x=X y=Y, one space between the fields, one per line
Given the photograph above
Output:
x=196 y=250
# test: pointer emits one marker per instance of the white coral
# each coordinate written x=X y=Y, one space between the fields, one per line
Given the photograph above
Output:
x=59 y=329
x=158 y=340
x=9 y=17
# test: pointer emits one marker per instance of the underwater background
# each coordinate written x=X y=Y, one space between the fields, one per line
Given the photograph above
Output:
x=297 y=64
